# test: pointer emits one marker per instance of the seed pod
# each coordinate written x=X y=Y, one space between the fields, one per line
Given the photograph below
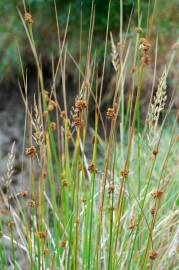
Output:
x=63 y=244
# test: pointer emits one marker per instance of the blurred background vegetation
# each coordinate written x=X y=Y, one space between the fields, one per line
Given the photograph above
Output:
x=12 y=33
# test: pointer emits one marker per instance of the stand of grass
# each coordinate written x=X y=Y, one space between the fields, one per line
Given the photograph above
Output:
x=94 y=213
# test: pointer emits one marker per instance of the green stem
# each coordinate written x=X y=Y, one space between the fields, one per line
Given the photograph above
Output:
x=92 y=180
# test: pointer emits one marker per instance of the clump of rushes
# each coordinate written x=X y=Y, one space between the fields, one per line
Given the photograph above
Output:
x=80 y=210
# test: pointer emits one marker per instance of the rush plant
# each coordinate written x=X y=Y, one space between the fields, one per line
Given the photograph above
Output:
x=101 y=195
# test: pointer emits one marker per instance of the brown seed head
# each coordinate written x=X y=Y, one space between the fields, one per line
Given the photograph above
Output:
x=138 y=30
x=157 y=194
x=31 y=151
x=153 y=255
x=144 y=44
x=91 y=167
x=32 y=204
x=146 y=59
x=152 y=211
x=53 y=125
x=132 y=224
x=24 y=194
x=93 y=140
x=45 y=114
x=155 y=152
x=124 y=173
x=63 y=244
x=77 y=121
x=110 y=114
x=54 y=103
x=63 y=114
x=133 y=69
x=28 y=18
x=44 y=173
x=111 y=189
x=50 y=107
x=10 y=225
x=147 y=122
x=41 y=235
x=77 y=221
x=65 y=183
x=80 y=104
